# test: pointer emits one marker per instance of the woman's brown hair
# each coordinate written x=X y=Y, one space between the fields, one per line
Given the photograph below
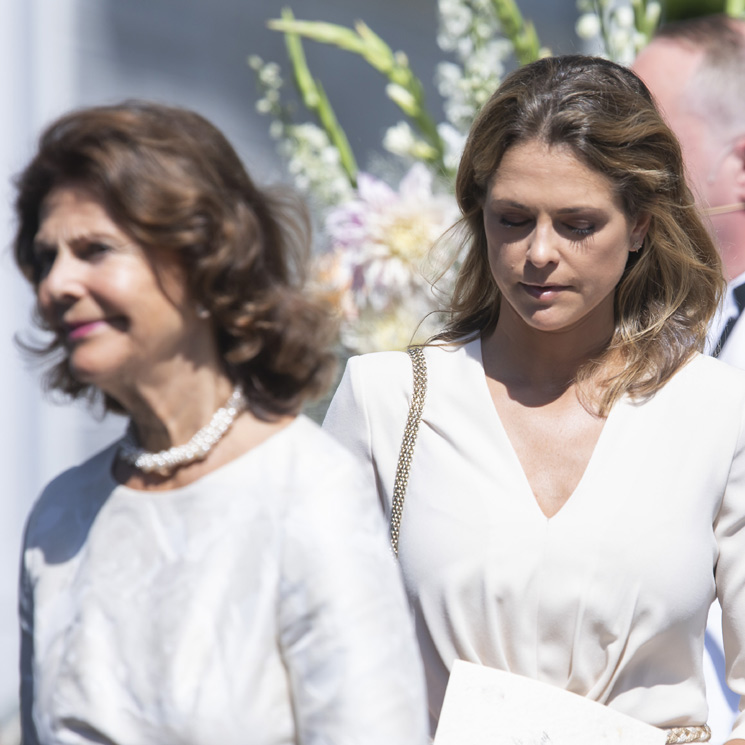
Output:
x=604 y=113
x=173 y=182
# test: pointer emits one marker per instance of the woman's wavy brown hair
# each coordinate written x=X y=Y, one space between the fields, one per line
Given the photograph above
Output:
x=605 y=114
x=173 y=182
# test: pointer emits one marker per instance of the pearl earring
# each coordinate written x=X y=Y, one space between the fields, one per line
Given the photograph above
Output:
x=202 y=312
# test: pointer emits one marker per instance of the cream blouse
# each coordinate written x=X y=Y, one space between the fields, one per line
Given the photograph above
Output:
x=609 y=597
x=259 y=605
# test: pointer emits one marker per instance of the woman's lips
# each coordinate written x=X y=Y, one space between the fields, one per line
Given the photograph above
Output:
x=543 y=292
x=76 y=331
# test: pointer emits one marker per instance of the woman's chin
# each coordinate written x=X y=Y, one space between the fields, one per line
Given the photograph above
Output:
x=99 y=376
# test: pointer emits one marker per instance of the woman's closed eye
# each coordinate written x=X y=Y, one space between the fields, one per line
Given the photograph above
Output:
x=581 y=230
x=513 y=221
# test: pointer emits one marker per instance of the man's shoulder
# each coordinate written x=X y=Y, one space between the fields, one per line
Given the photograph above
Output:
x=733 y=352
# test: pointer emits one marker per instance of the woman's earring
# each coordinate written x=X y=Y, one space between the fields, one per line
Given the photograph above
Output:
x=637 y=246
x=202 y=312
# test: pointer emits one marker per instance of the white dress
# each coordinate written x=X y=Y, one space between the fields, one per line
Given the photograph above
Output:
x=609 y=597
x=259 y=605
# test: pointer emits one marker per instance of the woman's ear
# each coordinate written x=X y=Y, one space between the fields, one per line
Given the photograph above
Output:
x=639 y=231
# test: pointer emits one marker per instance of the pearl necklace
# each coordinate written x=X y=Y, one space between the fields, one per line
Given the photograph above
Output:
x=167 y=461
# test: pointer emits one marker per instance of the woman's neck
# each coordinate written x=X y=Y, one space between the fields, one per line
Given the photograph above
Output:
x=172 y=413
x=542 y=364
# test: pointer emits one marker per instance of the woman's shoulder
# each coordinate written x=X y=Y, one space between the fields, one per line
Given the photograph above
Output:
x=311 y=467
x=384 y=367
x=74 y=488
x=710 y=374
x=68 y=505
x=704 y=391
x=378 y=386
x=309 y=446
x=378 y=363
x=304 y=457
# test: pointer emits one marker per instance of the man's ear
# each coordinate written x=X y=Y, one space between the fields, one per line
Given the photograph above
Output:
x=739 y=152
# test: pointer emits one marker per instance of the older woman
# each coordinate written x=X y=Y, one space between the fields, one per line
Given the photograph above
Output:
x=576 y=494
x=221 y=574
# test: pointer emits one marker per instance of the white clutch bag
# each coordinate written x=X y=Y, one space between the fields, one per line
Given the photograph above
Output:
x=484 y=706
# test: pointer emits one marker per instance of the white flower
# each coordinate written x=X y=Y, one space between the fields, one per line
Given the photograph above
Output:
x=624 y=17
x=329 y=156
x=390 y=330
x=482 y=30
x=264 y=106
x=464 y=47
x=466 y=89
x=445 y=42
x=400 y=96
x=447 y=78
x=276 y=130
x=622 y=44
x=270 y=76
x=588 y=26
x=455 y=20
x=378 y=265
x=454 y=142
x=314 y=136
x=399 y=139
x=314 y=163
x=653 y=12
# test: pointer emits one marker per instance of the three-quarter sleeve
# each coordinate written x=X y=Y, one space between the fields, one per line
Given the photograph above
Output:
x=345 y=629
x=368 y=415
x=346 y=418
x=730 y=574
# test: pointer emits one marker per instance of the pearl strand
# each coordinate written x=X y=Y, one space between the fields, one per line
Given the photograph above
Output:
x=167 y=461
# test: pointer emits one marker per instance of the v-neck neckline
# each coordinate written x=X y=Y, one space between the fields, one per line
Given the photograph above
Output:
x=496 y=425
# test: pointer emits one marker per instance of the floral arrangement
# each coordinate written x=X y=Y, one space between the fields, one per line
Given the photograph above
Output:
x=377 y=262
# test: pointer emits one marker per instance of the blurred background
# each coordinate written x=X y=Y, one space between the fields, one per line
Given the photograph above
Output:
x=60 y=54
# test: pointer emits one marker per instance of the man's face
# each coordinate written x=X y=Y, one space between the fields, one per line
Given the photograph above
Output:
x=667 y=67
x=714 y=165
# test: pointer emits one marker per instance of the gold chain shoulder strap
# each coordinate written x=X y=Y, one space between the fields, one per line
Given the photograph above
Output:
x=419 y=366
x=693 y=733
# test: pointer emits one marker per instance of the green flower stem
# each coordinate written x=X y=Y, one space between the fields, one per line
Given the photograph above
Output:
x=316 y=100
x=363 y=41
x=599 y=7
x=520 y=32
x=644 y=22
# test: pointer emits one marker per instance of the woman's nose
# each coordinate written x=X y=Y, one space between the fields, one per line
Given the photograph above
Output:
x=542 y=248
x=62 y=279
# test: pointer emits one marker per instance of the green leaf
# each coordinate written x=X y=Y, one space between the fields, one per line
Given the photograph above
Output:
x=315 y=100
x=520 y=32
x=408 y=92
